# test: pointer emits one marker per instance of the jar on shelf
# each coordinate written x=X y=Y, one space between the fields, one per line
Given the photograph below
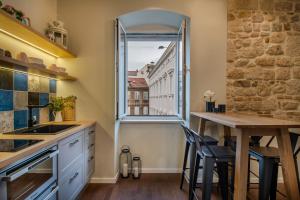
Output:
x=125 y=162
x=136 y=167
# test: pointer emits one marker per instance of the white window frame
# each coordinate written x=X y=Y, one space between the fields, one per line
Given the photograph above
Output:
x=125 y=117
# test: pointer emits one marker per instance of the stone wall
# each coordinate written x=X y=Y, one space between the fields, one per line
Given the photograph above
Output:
x=263 y=57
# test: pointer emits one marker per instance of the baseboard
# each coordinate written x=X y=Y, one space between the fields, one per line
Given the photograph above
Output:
x=111 y=180
x=161 y=170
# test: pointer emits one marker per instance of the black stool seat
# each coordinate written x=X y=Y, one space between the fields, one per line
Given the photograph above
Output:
x=266 y=152
x=209 y=140
x=218 y=152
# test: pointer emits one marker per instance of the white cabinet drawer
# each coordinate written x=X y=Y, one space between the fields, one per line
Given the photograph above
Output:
x=73 y=182
x=90 y=137
x=69 y=148
x=90 y=161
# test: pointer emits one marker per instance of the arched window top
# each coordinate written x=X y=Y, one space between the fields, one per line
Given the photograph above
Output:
x=153 y=19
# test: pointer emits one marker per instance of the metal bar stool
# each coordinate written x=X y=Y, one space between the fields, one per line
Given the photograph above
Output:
x=189 y=140
x=269 y=161
x=211 y=155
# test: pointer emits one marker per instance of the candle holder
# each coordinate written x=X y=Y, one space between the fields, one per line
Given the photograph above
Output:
x=210 y=105
x=125 y=162
x=136 y=167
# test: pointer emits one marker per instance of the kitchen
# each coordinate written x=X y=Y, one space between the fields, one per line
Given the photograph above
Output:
x=90 y=63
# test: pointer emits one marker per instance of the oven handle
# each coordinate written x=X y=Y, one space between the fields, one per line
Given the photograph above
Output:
x=53 y=192
x=13 y=176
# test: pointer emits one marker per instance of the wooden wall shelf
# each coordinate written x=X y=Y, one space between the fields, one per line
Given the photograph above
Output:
x=14 y=64
x=14 y=28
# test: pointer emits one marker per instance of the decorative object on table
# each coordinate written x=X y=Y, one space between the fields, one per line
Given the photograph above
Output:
x=22 y=57
x=57 y=33
x=216 y=110
x=17 y=14
x=222 y=108
x=125 y=161
x=69 y=110
x=7 y=54
x=136 y=167
x=36 y=62
x=209 y=101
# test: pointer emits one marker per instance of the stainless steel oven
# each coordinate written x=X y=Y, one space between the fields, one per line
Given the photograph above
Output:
x=32 y=178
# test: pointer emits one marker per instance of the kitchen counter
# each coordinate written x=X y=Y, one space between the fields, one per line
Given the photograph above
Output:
x=7 y=158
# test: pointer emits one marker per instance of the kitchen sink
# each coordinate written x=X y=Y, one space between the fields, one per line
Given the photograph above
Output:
x=51 y=129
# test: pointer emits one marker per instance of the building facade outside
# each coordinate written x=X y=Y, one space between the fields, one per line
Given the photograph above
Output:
x=138 y=96
x=162 y=87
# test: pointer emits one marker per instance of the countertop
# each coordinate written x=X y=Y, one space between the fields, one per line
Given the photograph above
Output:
x=7 y=158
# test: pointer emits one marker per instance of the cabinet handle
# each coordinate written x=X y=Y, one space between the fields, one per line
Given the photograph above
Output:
x=73 y=177
x=91 y=132
x=74 y=142
x=91 y=158
x=91 y=146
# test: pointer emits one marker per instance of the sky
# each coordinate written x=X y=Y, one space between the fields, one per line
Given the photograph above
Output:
x=142 y=53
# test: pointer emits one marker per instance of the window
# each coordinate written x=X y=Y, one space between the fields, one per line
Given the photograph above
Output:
x=136 y=95
x=136 y=110
x=145 y=96
x=145 y=110
x=151 y=68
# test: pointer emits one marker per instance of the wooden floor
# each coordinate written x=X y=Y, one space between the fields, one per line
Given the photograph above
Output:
x=150 y=187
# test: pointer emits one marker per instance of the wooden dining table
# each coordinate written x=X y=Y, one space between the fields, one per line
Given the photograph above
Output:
x=247 y=126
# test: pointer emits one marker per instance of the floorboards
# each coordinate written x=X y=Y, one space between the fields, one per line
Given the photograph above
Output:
x=151 y=187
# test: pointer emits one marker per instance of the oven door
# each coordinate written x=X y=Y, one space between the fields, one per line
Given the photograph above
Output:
x=31 y=177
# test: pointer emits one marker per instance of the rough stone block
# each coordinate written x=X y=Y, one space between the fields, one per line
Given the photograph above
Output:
x=266 y=5
x=287 y=105
x=275 y=50
x=235 y=74
x=297 y=7
x=293 y=87
x=278 y=88
x=244 y=4
x=282 y=73
x=284 y=6
x=284 y=61
x=277 y=38
x=257 y=18
x=293 y=46
x=242 y=83
x=241 y=62
x=265 y=61
x=296 y=72
x=276 y=27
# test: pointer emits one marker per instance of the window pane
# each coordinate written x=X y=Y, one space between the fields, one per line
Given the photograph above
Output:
x=151 y=77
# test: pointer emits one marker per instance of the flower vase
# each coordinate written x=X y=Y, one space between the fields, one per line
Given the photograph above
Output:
x=58 y=117
x=210 y=105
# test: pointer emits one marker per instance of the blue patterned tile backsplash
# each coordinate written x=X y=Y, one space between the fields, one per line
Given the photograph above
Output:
x=44 y=98
x=20 y=81
x=52 y=86
x=17 y=90
x=6 y=100
x=20 y=119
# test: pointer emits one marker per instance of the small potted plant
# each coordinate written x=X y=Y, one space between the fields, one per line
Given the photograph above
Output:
x=56 y=106
x=210 y=103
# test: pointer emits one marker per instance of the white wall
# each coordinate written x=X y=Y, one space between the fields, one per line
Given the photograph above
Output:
x=91 y=29
x=39 y=11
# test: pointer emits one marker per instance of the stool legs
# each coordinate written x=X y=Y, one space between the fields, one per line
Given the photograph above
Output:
x=274 y=181
x=207 y=178
x=186 y=153
x=196 y=171
x=265 y=178
x=222 y=168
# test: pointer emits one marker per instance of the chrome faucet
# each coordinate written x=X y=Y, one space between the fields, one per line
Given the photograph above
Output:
x=32 y=122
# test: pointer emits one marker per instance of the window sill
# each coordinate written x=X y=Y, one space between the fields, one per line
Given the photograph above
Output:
x=151 y=120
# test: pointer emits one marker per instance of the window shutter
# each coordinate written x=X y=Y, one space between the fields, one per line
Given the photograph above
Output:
x=120 y=69
x=183 y=76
